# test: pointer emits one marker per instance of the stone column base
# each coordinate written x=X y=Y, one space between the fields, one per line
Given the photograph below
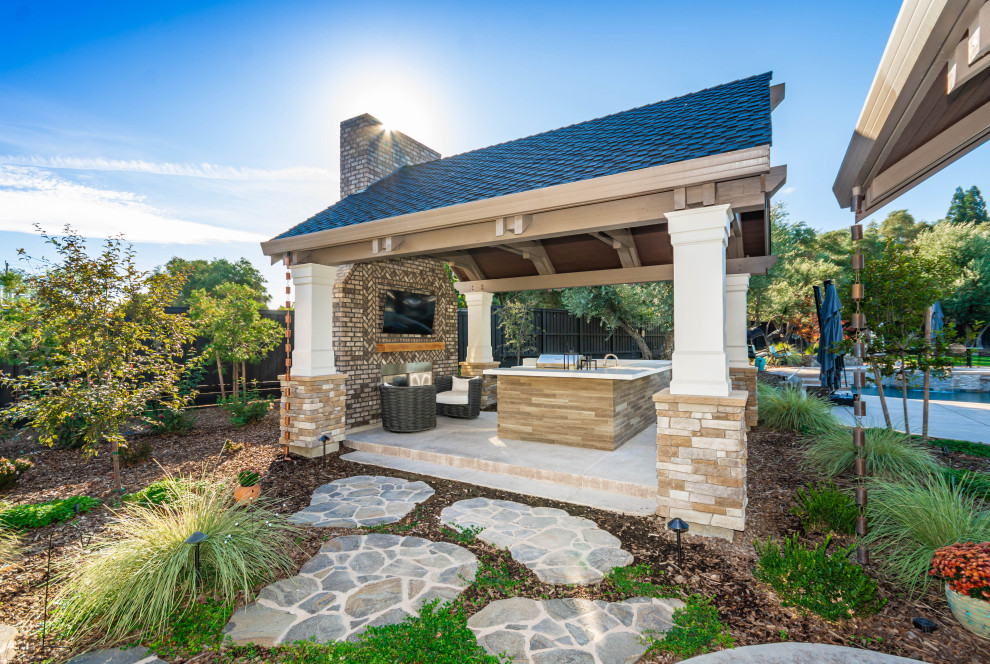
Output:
x=313 y=406
x=744 y=378
x=489 y=384
x=701 y=461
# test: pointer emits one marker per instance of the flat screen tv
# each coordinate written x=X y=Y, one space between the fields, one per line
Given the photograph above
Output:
x=408 y=313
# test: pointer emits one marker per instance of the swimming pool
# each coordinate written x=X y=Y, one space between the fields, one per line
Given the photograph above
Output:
x=895 y=393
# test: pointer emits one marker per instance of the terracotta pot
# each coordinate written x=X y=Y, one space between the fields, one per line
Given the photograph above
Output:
x=248 y=493
x=974 y=614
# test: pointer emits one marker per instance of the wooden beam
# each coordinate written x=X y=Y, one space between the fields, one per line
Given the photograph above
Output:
x=533 y=251
x=625 y=245
x=466 y=262
x=776 y=95
x=603 y=239
x=774 y=180
x=634 y=275
x=680 y=198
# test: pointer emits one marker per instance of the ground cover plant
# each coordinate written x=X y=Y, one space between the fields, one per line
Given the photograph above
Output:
x=632 y=581
x=142 y=574
x=793 y=409
x=824 y=583
x=824 y=506
x=973 y=449
x=697 y=629
x=155 y=493
x=198 y=628
x=888 y=453
x=912 y=518
x=39 y=515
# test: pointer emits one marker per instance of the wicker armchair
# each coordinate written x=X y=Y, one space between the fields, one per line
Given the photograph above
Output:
x=472 y=408
x=409 y=409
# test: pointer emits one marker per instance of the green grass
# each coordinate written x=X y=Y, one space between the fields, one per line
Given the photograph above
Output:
x=697 y=629
x=438 y=635
x=38 y=515
x=142 y=574
x=825 y=507
x=910 y=519
x=826 y=584
x=792 y=409
x=889 y=454
x=633 y=581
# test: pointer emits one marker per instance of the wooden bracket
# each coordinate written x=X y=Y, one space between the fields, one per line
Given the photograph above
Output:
x=385 y=245
x=516 y=224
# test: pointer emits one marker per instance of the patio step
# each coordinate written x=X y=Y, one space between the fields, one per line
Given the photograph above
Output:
x=597 y=498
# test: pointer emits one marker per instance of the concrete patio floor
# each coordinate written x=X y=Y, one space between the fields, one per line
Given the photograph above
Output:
x=624 y=480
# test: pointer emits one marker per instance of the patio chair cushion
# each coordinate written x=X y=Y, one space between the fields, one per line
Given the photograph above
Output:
x=453 y=397
x=460 y=385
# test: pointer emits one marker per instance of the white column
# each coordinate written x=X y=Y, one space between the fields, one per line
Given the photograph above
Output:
x=312 y=321
x=479 y=346
x=736 y=289
x=700 y=363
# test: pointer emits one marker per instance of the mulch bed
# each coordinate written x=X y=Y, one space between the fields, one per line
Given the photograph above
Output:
x=711 y=566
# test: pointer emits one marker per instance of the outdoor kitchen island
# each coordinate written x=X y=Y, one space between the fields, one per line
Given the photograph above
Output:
x=597 y=407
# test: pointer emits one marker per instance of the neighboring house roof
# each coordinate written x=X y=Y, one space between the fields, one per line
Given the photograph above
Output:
x=721 y=119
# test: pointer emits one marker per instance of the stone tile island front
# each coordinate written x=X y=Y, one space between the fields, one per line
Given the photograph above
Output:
x=596 y=408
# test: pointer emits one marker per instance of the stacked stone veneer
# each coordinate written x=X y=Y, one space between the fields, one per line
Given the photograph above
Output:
x=744 y=378
x=358 y=311
x=701 y=460
x=312 y=407
x=489 y=384
x=370 y=152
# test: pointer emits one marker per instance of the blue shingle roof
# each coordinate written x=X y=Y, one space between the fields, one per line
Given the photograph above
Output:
x=728 y=117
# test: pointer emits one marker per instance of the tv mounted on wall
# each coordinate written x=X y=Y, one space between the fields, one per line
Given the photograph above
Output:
x=408 y=313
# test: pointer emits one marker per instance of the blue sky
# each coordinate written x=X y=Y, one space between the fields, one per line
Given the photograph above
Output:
x=200 y=128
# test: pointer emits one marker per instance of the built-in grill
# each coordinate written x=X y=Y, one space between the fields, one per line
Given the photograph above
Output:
x=560 y=361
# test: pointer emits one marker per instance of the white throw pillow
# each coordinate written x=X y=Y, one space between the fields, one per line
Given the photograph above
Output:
x=461 y=384
x=453 y=399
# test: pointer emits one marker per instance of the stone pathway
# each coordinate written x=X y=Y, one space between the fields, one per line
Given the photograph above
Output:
x=558 y=547
x=137 y=655
x=355 y=581
x=362 y=500
x=571 y=631
x=798 y=653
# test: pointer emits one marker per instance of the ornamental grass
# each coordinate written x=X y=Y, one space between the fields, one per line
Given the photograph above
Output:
x=142 y=576
x=888 y=454
x=914 y=517
x=793 y=409
x=10 y=545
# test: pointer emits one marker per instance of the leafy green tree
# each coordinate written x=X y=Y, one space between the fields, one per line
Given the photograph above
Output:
x=228 y=316
x=899 y=226
x=967 y=207
x=210 y=275
x=967 y=247
x=96 y=343
x=515 y=319
x=635 y=308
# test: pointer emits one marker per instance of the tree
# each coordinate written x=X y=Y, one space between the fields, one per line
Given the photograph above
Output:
x=515 y=319
x=899 y=226
x=967 y=247
x=635 y=308
x=967 y=207
x=237 y=333
x=210 y=275
x=96 y=343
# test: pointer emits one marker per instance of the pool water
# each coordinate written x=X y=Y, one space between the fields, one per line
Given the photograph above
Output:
x=895 y=393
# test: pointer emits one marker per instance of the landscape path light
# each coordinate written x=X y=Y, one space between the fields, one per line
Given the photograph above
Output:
x=678 y=527
x=196 y=539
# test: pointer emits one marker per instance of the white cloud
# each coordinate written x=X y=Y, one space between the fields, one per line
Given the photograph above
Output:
x=204 y=170
x=787 y=190
x=30 y=196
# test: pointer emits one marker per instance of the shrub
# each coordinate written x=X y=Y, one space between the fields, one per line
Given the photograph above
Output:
x=913 y=518
x=826 y=507
x=38 y=515
x=10 y=546
x=888 y=454
x=793 y=409
x=965 y=567
x=142 y=575
x=246 y=408
x=697 y=629
x=248 y=477
x=10 y=471
x=155 y=493
x=168 y=420
x=828 y=585
x=135 y=452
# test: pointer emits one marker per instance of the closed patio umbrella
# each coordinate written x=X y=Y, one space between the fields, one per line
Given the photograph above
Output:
x=938 y=319
x=830 y=324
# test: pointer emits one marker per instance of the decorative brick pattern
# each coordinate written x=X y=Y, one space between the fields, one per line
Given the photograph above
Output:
x=744 y=379
x=369 y=152
x=701 y=460
x=581 y=412
x=489 y=384
x=315 y=405
x=358 y=311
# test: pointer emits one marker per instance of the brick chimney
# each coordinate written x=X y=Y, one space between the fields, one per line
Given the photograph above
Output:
x=369 y=153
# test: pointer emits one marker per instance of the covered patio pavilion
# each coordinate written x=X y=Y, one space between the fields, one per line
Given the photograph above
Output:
x=673 y=191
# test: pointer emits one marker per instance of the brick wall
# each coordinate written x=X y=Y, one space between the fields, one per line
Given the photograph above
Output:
x=369 y=153
x=358 y=301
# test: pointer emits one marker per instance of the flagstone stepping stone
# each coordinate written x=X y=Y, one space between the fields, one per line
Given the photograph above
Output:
x=362 y=500
x=558 y=547
x=571 y=631
x=136 y=655
x=353 y=582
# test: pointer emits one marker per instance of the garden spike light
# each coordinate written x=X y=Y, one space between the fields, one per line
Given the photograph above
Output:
x=196 y=539
x=678 y=527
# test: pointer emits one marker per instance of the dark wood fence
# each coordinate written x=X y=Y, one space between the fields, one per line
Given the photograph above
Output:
x=558 y=331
